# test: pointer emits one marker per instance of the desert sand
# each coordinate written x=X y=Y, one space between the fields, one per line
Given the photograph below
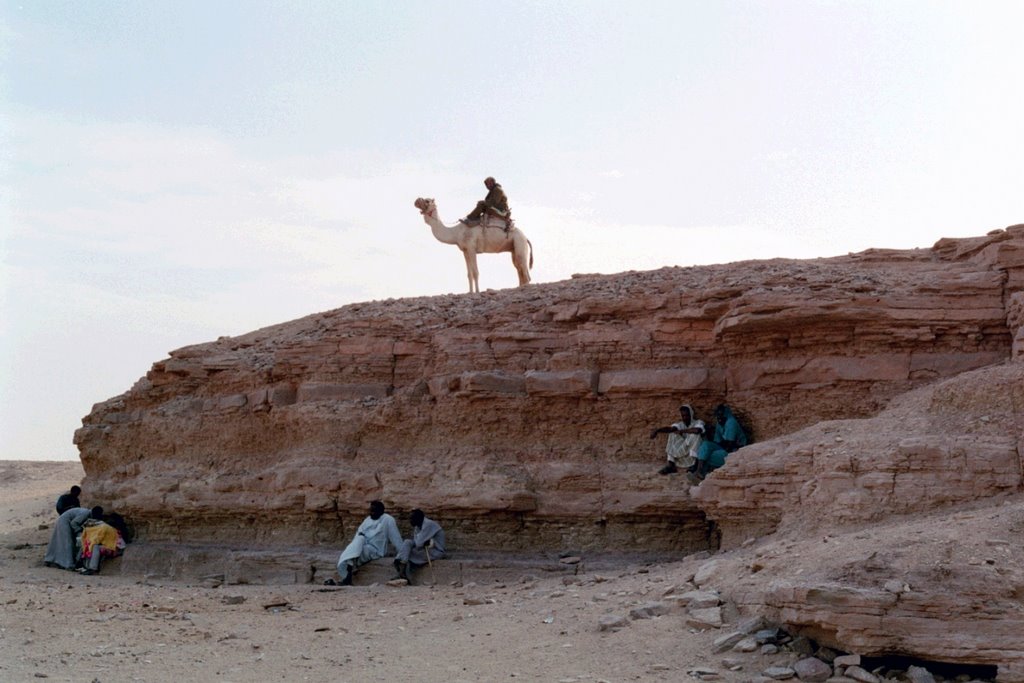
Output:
x=61 y=626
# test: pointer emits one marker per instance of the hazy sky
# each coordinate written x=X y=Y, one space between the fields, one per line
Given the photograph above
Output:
x=171 y=172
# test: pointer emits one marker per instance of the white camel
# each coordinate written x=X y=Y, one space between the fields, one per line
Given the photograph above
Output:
x=490 y=237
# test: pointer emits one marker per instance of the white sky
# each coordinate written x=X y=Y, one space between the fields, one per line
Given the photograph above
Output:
x=171 y=172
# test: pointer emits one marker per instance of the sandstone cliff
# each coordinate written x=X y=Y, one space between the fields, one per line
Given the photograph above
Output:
x=522 y=416
x=884 y=390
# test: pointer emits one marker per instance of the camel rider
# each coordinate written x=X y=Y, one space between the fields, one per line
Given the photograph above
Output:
x=495 y=203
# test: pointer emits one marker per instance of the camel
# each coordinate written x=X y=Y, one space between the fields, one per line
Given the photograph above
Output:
x=490 y=237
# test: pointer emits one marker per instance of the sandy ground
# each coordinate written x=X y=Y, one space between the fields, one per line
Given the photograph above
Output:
x=61 y=626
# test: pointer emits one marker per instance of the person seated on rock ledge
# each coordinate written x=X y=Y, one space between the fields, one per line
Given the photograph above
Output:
x=710 y=456
x=426 y=544
x=684 y=439
x=728 y=432
x=62 y=551
x=370 y=543
x=69 y=500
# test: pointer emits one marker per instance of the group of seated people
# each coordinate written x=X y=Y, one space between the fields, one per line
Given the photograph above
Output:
x=379 y=531
x=83 y=536
x=698 y=448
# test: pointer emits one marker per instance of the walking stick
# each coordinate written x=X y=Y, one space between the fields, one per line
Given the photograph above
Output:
x=426 y=549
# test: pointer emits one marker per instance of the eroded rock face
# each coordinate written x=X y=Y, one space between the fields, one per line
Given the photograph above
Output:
x=521 y=418
x=893 y=534
x=952 y=443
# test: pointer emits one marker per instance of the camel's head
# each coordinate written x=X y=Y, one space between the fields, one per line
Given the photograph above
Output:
x=427 y=207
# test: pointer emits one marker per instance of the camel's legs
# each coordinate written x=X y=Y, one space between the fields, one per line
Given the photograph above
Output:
x=522 y=258
x=519 y=261
x=472 y=272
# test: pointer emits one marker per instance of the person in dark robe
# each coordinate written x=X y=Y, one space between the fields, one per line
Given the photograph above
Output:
x=68 y=500
x=495 y=203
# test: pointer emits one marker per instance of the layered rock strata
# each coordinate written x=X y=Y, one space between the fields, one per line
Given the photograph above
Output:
x=521 y=418
x=953 y=443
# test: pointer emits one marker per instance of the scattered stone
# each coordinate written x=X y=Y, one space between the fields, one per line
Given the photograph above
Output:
x=573 y=559
x=473 y=601
x=698 y=599
x=802 y=646
x=840 y=679
x=397 y=583
x=733 y=663
x=779 y=673
x=767 y=635
x=859 y=674
x=705 y=572
x=703 y=673
x=847 y=660
x=826 y=654
x=275 y=603
x=236 y=600
x=648 y=610
x=726 y=641
x=730 y=612
x=612 y=622
x=710 y=617
x=812 y=670
x=769 y=649
x=748 y=644
x=749 y=625
x=919 y=674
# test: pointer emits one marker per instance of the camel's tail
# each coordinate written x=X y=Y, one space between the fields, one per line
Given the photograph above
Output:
x=531 y=254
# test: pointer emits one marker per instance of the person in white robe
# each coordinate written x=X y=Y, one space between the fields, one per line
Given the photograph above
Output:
x=684 y=439
x=371 y=542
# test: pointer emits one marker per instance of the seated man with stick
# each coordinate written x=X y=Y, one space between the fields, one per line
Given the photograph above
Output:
x=426 y=544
